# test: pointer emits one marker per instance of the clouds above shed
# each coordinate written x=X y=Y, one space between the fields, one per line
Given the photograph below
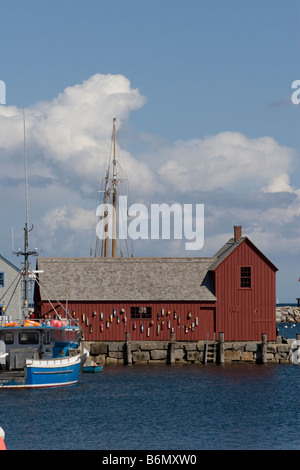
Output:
x=240 y=180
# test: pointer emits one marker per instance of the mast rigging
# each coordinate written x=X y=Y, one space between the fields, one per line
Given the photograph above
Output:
x=111 y=189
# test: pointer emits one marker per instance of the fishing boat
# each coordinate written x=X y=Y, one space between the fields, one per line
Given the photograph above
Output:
x=37 y=353
x=92 y=367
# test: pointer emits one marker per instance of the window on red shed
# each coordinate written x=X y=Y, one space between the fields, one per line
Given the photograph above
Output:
x=141 y=312
x=245 y=276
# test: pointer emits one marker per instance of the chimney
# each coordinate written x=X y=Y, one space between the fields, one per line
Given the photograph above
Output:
x=237 y=232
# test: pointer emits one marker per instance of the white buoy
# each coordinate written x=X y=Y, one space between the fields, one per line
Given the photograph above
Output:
x=2 y=433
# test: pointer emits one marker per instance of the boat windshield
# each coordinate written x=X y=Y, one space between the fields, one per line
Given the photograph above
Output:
x=29 y=337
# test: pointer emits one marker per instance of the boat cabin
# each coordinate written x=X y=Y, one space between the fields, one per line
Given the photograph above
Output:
x=40 y=342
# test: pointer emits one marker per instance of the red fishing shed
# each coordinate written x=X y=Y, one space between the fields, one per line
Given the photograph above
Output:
x=232 y=292
x=245 y=288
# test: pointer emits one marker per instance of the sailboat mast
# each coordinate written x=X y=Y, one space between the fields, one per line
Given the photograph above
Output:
x=115 y=186
x=111 y=189
x=107 y=194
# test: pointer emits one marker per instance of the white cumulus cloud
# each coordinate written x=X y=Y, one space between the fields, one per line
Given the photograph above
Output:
x=240 y=180
x=68 y=138
x=227 y=160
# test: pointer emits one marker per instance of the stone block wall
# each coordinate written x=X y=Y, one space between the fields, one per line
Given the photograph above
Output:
x=158 y=352
x=252 y=352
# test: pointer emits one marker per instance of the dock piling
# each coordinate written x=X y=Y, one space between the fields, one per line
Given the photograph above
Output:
x=128 y=355
x=264 y=348
x=221 y=348
x=172 y=349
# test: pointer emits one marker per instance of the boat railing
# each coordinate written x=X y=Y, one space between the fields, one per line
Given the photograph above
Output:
x=7 y=321
x=57 y=361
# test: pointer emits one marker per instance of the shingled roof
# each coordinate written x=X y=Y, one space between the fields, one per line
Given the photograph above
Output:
x=126 y=279
x=230 y=246
x=225 y=251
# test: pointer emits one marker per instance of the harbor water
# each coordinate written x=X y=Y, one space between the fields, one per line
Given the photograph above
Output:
x=182 y=407
x=288 y=330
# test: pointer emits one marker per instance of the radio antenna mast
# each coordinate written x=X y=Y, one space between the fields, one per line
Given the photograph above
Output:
x=26 y=253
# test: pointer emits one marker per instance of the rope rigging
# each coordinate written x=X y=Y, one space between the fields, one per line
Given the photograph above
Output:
x=115 y=175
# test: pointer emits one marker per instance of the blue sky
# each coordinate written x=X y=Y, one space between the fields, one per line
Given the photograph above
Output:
x=197 y=80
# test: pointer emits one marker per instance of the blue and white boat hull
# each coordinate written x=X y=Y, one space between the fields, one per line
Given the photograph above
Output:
x=48 y=373
x=53 y=372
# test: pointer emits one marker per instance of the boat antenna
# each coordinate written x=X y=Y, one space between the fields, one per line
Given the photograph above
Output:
x=26 y=228
x=25 y=164
x=26 y=253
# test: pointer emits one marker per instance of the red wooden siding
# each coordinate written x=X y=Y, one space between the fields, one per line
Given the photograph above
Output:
x=105 y=321
x=243 y=314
